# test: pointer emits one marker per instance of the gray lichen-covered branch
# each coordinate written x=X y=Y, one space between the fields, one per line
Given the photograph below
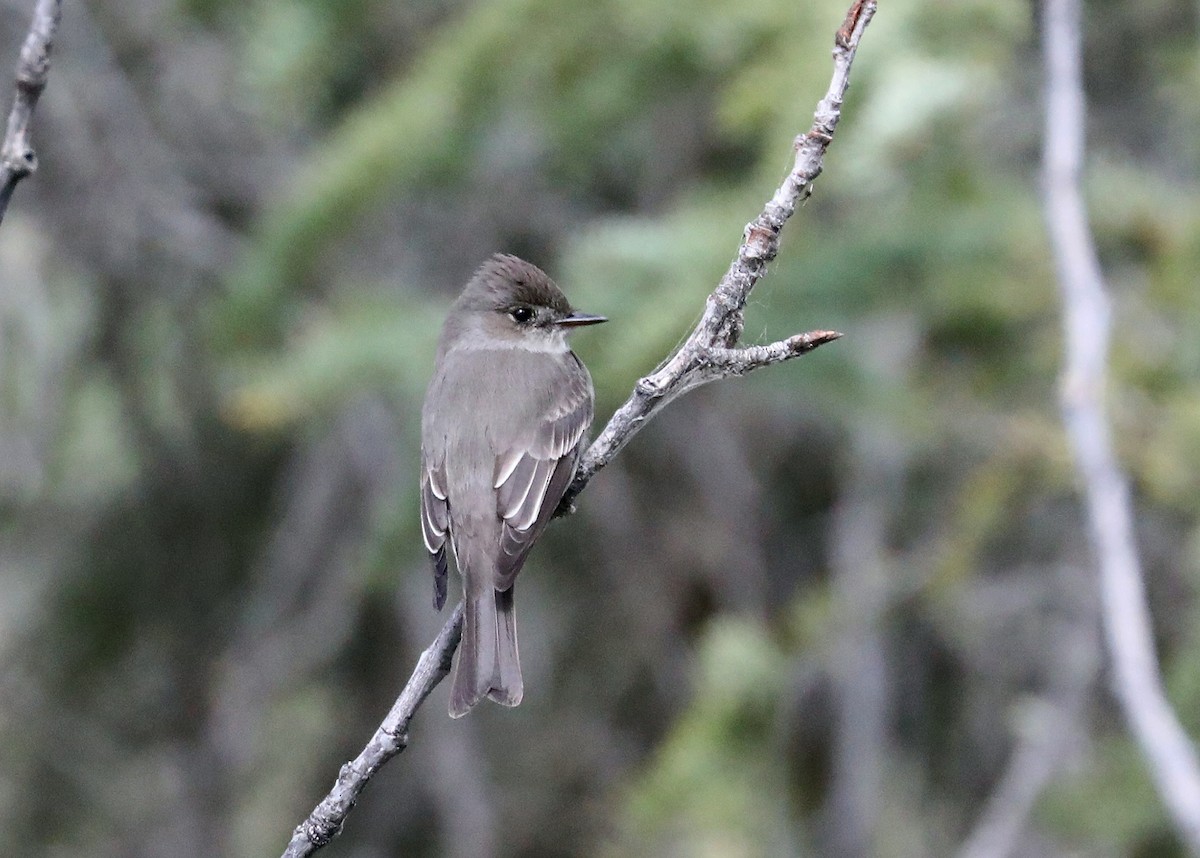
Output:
x=17 y=157
x=709 y=353
x=1087 y=320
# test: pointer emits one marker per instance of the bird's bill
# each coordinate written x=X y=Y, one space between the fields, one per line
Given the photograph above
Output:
x=578 y=320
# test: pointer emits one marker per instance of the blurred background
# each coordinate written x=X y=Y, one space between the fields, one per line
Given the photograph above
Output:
x=842 y=607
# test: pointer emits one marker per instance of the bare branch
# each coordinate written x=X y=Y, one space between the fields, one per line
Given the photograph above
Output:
x=325 y=822
x=17 y=158
x=1137 y=682
x=710 y=352
x=700 y=358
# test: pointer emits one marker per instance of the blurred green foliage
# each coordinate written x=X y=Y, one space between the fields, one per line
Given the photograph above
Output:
x=714 y=786
x=222 y=522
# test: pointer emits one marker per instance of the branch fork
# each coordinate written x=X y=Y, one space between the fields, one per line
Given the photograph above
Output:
x=711 y=352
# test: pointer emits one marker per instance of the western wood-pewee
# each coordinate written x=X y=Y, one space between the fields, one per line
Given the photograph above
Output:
x=501 y=432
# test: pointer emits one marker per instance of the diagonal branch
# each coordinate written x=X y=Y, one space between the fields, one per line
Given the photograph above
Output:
x=17 y=158
x=709 y=353
x=1137 y=683
x=705 y=355
x=325 y=822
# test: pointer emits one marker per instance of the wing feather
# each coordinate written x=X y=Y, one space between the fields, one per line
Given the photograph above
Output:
x=435 y=522
x=513 y=492
x=525 y=513
x=506 y=463
x=514 y=543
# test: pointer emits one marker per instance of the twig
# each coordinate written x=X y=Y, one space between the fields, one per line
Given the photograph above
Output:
x=17 y=158
x=1137 y=683
x=709 y=353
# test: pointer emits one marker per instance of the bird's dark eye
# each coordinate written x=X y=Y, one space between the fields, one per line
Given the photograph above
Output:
x=521 y=315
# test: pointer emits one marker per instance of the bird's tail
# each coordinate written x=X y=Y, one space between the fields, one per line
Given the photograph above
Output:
x=488 y=665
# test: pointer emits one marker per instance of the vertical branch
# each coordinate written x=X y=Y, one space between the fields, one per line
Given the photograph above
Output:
x=1137 y=684
x=17 y=158
x=861 y=588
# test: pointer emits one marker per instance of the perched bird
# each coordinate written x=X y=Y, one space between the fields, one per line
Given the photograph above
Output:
x=501 y=431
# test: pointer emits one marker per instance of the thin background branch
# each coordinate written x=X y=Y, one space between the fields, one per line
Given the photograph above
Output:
x=709 y=353
x=1049 y=726
x=1137 y=683
x=17 y=158
x=861 y=589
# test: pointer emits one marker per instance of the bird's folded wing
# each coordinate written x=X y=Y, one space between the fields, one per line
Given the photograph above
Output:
x=531 y=476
